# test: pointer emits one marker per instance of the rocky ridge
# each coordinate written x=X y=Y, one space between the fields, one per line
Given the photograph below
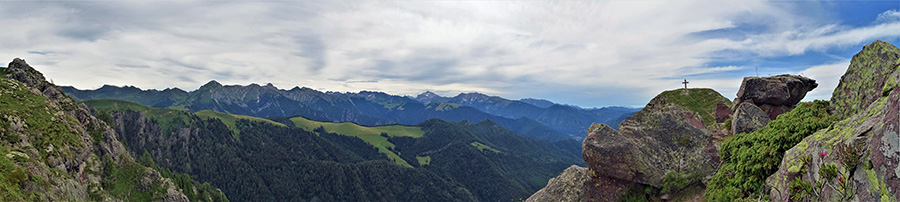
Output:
x=762 y=99
x=54 y=149
x=857 y=158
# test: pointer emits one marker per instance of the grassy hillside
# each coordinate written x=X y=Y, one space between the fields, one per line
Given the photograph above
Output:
x=230 y=119
x=700 y=100
x=371 y=135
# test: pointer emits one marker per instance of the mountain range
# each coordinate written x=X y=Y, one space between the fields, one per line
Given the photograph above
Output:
x=296 y=158
x=550 y=121
x=54 y=147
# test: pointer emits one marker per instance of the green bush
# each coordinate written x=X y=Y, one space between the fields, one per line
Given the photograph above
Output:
x=748 y=159
x=675 y=181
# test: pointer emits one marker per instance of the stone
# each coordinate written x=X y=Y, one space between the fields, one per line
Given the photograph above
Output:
x=864 y=146
x=865 y=78
x=875 y=133
x=567 y=187
x=775 y=90
x=723 y=112
x=748 y=118
x=650 y=145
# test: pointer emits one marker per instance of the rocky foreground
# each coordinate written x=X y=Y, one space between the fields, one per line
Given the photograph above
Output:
x=670 y=150
x=53 y=149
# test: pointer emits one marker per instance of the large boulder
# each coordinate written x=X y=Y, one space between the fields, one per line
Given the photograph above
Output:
x=762 y=99
x=866 y=78
x=775 y=90
x=858 y=158
x=567 y=187
x=748 y=118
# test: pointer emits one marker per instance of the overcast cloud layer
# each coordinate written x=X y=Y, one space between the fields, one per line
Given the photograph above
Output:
x=583 y=53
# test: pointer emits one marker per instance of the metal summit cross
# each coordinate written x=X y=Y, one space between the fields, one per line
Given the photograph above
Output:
x=685 y=84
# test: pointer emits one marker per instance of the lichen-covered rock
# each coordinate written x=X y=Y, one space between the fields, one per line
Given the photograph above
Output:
x=775 y=90
x=864 y=149
x=866 y=78
x=748 y=118
x=857 y=158
x=567 y=187
x=671 y=134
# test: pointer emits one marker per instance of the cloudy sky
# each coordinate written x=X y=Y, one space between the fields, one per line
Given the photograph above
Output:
x=584 y=53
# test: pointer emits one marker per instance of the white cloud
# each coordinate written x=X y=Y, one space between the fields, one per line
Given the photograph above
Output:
x=625 y=52
x=827 y=76
x=888 y=16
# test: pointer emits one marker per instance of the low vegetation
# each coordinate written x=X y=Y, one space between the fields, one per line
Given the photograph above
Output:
x=748 y=159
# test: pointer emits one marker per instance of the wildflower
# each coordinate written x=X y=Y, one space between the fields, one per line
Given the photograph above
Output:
x=841 y=179
x=822 y=155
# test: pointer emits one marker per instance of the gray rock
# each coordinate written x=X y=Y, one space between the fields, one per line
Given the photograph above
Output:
x=775 y=90
x=567 y=187
x=748 y=118
x=866 y=78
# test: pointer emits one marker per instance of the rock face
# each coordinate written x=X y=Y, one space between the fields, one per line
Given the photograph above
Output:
x=867 y=78
x=61 y=152
x=723 y=112
x=857 y=158
x=669 y=137
x=748 y=118
x=649 y=146
x=771 y=96
x=567 y=187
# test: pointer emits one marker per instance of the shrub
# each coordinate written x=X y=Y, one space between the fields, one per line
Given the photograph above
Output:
x=748 y=159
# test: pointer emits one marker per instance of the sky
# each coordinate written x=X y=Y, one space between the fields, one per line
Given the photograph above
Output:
x=584 y=53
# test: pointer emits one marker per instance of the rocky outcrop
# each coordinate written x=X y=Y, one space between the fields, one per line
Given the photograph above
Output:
x=668 y=140
x=61 y=152
x=781 y=90
x=567 y=187
x=771 y=96
x=857 y=158
x=649 y=146
x=867 y=78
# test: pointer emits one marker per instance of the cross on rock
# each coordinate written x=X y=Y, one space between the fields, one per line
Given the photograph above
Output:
x=685 y=84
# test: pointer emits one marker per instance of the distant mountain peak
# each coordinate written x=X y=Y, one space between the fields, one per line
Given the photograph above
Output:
x=211 y=84
x=428 y=97
x=427 y=94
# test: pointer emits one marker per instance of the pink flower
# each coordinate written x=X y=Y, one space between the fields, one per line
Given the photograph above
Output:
x=822 y=155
